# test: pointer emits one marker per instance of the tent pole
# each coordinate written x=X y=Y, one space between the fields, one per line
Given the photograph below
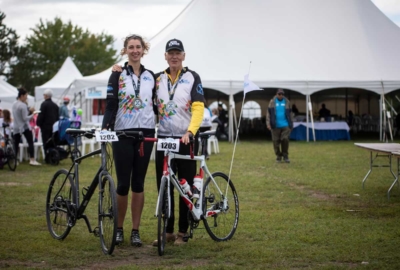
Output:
x=380 y=120
x=312 y=118
x=307 y=108
x=346 y=106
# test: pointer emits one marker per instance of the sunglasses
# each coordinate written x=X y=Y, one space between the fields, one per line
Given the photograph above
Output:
x=280 y=94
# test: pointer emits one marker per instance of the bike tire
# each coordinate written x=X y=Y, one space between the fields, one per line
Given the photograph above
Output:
x=108 y=214
x=60 y=196
x=11 y=156
x=220 y=226
x=162 y=216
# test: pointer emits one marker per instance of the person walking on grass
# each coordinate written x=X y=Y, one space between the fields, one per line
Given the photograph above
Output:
x=280 y=122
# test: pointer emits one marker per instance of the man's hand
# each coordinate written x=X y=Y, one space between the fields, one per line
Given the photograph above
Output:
x=269 y=127
x=186 y=138
x=117 y=68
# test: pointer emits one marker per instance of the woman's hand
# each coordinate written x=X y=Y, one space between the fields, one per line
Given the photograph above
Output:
x=117 y=68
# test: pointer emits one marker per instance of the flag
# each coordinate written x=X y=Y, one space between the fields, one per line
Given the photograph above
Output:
x=249 y=85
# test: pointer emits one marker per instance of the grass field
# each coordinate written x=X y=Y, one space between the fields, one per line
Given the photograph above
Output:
x=309 y=214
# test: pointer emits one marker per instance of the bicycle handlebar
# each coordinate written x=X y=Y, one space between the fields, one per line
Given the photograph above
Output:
x=91 y=133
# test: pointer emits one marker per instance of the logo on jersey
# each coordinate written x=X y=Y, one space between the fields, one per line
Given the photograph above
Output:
x=183 y=81
x=200 y=89
x=147 y=78
x=109 y=88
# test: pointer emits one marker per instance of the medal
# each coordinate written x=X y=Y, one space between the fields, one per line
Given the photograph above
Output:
x=170 y=106
x=137 y=103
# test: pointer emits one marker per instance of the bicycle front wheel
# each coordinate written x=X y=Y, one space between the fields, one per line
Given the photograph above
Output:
x=220 y=207
x=60 y=197
x=162 y=216
x=108 y=215
x=11 y=157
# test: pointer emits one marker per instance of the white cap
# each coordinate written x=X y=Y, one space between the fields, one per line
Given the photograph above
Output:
x=48 y=92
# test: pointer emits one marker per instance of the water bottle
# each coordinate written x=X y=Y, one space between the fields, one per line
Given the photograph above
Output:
x=197 y=186
x=185 y=186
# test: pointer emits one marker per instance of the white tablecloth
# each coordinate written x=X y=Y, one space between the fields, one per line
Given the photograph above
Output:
x=324 y=125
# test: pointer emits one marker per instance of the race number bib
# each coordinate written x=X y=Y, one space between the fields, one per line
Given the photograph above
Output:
x=168 y=144
x=106 y=136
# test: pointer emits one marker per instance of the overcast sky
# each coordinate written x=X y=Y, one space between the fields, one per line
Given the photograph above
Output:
x=146 y=17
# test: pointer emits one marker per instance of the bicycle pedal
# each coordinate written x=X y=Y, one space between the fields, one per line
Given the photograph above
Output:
x=96 y=232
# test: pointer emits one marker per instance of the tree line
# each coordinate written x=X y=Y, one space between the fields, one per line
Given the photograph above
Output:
x=45 y=50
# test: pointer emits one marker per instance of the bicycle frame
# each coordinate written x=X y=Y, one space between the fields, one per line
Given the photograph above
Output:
x=74 y=171
x=196 y=208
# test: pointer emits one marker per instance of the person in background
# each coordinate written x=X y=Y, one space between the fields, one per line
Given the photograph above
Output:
x=130 y=94
x=49 y=114
x=21 y=124
x=215 y=119
x=280 y=122
x=350 y=118
x=205 y=125
x=223 y=118
x=180 y=103
x=324 y=112
x=295 y=111
x=64 y=108
x=7 y=120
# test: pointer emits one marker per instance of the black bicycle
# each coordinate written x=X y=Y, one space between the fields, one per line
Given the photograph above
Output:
x=7 y=145
x=63 y=205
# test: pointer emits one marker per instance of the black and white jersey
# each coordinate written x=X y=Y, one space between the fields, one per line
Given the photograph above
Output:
x=135 y=99
x=175 y=121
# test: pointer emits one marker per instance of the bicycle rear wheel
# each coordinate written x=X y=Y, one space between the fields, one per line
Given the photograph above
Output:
x=11 y=157
x=108 y=215
x=220 y=226
x=60 y=196
x=162 y=216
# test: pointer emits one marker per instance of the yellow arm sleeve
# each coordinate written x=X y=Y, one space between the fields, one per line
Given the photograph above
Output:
x=197 y=116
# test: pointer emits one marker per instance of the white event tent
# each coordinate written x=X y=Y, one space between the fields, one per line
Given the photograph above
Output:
x=8 y=95
x=302 y=45
x=59 y=83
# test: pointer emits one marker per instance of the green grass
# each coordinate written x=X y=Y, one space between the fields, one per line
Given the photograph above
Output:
x=311 y=213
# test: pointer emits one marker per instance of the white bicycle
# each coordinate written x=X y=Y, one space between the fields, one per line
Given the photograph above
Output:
x=217 y=203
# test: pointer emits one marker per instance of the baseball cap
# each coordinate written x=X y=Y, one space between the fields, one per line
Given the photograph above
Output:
x=66 y=98
x=280 y=91
x=174 y=44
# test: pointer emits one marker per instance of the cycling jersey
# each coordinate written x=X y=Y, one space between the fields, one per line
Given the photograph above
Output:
x=130 y=100
x=175 y=120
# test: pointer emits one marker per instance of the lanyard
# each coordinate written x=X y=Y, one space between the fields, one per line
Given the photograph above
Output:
x=135 y=87
x=172 y=92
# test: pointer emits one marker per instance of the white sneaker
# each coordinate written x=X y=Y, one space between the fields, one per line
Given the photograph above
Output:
x=34 y=163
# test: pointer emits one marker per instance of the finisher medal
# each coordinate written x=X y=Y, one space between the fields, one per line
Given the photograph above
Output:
x=137 y=103
x=170 y=106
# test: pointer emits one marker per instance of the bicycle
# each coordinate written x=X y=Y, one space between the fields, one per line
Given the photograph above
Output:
x=217 y=205
x=7 y=145
x=63 y=204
